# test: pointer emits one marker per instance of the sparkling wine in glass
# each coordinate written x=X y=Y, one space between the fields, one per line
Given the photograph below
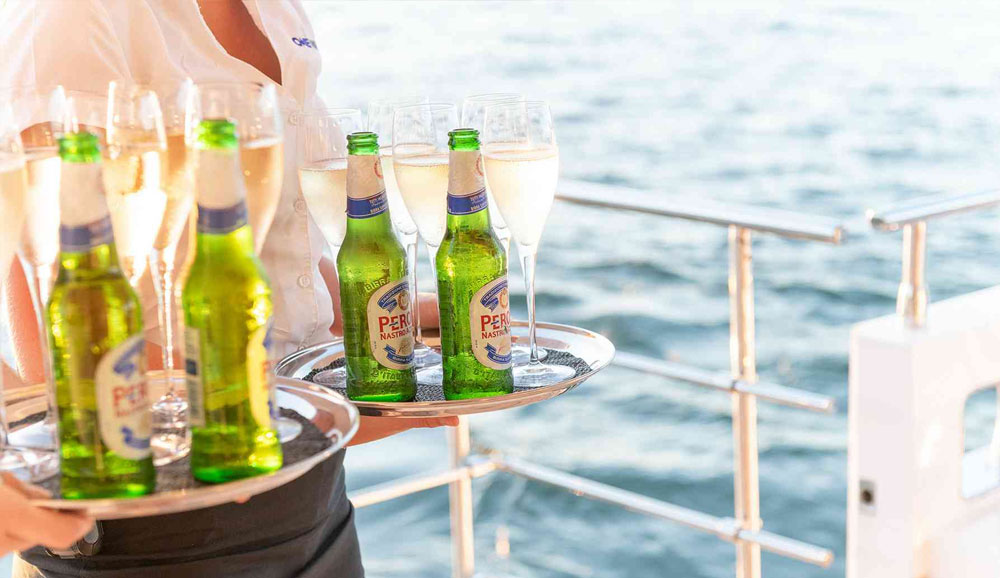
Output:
x=380 y=116
x=32 y=463
x=420 y=164
x=522 y=167
x=41 y=112
x=133 y=173
x=171 y=439
x=323 y=180
x=473 y=111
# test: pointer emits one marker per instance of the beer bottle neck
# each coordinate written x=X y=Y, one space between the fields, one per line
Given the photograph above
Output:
x=102 y=259
x=224 y=231
x=222 y=209
x=467 y=200
x=367 y=205
x=85 y=235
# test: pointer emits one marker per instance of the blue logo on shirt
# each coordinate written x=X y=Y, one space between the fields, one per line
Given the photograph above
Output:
x=305 y=42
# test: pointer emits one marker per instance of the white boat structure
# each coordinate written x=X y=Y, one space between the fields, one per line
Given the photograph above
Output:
x=918 y=505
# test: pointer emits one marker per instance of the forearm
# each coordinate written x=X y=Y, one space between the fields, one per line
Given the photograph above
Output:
x=23 y=324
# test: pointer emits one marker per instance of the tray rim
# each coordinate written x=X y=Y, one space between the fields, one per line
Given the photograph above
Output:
x=424 y=409
x=177 y=501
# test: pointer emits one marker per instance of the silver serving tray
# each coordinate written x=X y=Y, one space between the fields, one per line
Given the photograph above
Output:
x=591 y=347
x=327 y=410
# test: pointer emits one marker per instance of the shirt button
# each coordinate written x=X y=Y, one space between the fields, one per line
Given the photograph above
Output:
x=305 y=281
x=300 y=207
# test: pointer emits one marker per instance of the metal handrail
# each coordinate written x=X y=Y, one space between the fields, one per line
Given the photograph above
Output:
x=721 y=381
x=912 y=216
x=482 y=464
x=788 y=224
x=931 y=207
x=725 y=528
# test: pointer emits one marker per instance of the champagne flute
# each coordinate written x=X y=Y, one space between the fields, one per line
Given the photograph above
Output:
x=254 y=108
x=473 y=111
x=133 y=173
x=26 y=462
x=41 y=113
x=87 y=112
x=420 y=165
x=380 y=116
x=323 y=180
x=522 y=166
x=380 y=119
x=171 y=439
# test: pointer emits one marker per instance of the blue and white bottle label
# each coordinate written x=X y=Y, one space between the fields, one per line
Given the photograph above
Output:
x=468 y=204
x=390 y=325
x=82 y=238
x=489 y=324
x=123 y=405
x=466 y=184
x=222 y=221
x=192 y=375
x=260 y=377
x=365 y=187
x=368 y=207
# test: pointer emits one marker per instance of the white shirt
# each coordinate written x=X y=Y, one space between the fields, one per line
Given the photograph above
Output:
x=84 y=44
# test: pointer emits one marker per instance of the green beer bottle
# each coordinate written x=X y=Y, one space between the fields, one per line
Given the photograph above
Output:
x=472 y=283
x=227 y=315
x=374 y=290
x=95 y=335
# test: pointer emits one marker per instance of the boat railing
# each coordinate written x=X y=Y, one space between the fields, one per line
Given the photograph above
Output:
x=912 y=216
x=744 y=528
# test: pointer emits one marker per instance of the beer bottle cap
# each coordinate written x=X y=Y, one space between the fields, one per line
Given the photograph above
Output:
x=216 y=133
x=463 y=139
x=362 y=143
x=79 y=147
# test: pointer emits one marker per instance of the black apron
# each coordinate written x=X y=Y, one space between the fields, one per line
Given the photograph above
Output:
x=304 y=529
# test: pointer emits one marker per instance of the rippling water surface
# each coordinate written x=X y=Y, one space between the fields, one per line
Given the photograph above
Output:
x=825 y=108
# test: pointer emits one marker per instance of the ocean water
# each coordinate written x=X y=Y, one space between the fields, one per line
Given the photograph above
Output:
x=820 y=107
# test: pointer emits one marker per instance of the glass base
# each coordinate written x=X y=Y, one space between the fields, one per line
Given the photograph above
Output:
x=336 y=377
x=29 y=465
x=539 y=375
x=430 y=375
x=171 y=439
x=521 y=354
x=288 y=429
x=425 y=356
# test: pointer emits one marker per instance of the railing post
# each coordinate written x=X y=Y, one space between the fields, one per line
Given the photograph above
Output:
x=744 y=367
x=911 y=301
x=463 y=556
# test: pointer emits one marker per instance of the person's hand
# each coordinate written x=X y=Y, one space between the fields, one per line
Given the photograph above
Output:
x=23 y=526
x=376 y=428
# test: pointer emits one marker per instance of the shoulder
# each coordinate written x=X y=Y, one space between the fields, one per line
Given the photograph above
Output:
x=58 y=41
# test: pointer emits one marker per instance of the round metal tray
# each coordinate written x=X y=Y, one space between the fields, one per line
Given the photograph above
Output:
x=593 y=349
x=332 y=415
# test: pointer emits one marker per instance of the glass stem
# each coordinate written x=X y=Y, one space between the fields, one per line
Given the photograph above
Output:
x=39 y=287
x=528 y=266
x=3 y=405
x=162 y=269
x=411 y=271
x=504 y=236
x=432 y=253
